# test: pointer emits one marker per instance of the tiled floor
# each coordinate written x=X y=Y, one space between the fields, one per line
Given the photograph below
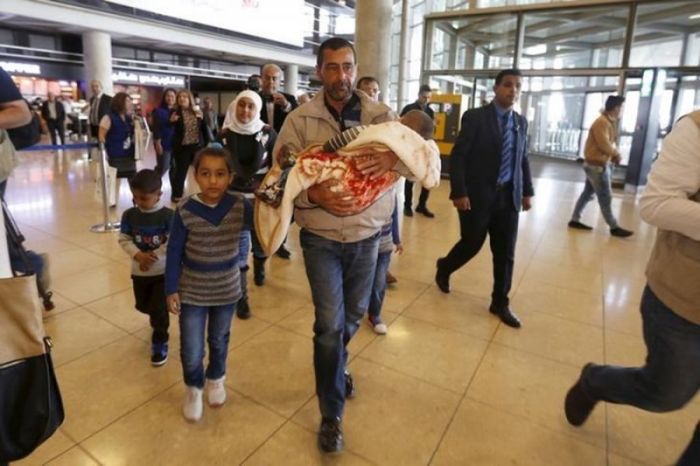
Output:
x=449 y=385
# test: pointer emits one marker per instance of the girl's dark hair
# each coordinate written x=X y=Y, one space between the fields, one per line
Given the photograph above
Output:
x=146 y=181
x=165 y=92
x=213 y=152
x=119 y=102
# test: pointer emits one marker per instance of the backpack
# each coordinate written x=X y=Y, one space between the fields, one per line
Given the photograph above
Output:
x=26 y=135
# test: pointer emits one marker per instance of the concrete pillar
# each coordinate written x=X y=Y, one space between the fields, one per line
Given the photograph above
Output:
x=291 y=79
x=97 y=56
x=373 y=41
x=403 y=55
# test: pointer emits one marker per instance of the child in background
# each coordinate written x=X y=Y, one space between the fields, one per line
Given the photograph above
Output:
x=202 y=281
x=143 y=233
x=389 y=239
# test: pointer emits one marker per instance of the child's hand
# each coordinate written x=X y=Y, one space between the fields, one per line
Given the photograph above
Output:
x=173 y=303
x=145 y=259
x=399 y=248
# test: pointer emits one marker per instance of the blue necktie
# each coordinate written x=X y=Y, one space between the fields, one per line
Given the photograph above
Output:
x=505 y=173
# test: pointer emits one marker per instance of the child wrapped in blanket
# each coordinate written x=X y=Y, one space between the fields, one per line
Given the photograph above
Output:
x=320 y=163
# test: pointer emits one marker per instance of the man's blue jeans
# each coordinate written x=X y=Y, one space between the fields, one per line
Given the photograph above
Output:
x=376 y=299
x=598 y=182
x=194 y=320
x=671 y=376
x=340 y=276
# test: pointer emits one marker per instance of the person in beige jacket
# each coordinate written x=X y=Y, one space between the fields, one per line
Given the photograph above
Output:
x=670 y=305
x=340 y=248
x=600 y=154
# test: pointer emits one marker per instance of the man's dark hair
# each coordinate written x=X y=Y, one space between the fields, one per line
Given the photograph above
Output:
x=253 y=82
x=213 y=152
x=424 y=88
x=334 y=43
x=613 y=101
x=510 y=72
x=147 y=181
x=367 y=79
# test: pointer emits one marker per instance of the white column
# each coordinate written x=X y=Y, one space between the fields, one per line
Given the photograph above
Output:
x=291 y=79
x=373 y=41
x=97 y=56
x=403 y=55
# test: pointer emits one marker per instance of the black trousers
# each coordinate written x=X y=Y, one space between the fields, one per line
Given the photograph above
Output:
x=182 y=158
x=500 y=221
x=408 y=196
x=54 y=126
x=149 y=293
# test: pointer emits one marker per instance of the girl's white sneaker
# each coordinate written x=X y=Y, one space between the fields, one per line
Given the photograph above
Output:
x=193 y=407
x=216 y=392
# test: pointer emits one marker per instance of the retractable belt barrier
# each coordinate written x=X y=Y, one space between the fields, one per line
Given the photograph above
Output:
x=107 y=226
x=79 y=145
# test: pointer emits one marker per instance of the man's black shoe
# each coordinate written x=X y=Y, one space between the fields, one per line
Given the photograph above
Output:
x=424 y=210
x=506 y=315
x=691 y=455
x=243 y=309
x=621 y=232
x=259 y=271
x=330 y=435
x=578 y=225
x=578 y=405
x=408 y=212
x=283 y=253
x=349 y=385
x=442 y=278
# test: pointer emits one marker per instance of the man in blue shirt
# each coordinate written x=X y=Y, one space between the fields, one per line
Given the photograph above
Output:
x=490 y=182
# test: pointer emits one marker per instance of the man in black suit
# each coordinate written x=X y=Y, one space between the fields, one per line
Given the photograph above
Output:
x=54 y=114
x=490 y=181
x=424 y=94
x=276 y=107
x=99 y=106
x=276 y=104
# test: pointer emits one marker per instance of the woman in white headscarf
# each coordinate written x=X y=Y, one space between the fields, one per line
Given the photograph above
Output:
x=250 y=142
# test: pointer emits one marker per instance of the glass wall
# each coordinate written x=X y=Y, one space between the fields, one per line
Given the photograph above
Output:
x=572 y=57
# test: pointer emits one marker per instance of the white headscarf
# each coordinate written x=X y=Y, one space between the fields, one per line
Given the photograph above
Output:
x=232 y=123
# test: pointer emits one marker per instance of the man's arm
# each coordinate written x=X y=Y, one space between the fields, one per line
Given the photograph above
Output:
x=601 y=137
x=459 y=156
x=674 y=177
x=14 y=114
x=528 y=190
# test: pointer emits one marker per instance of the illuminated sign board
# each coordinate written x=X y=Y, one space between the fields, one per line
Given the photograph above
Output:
x=148 y=79
x=20 y=68
x=276 y=20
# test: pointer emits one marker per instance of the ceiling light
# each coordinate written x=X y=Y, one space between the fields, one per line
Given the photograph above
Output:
x=695 y=16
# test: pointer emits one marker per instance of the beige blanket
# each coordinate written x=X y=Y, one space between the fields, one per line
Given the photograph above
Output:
x=420 y=161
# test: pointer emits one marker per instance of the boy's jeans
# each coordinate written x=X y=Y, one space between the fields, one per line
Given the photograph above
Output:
x=340 y=276
x=194 y=320
x=598 y=182
x=671 y=375
x=376 y=299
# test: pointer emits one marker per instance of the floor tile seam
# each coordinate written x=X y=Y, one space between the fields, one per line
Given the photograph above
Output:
x=296 y=309
x=72 y=445
x=71 y=361
x=63 y=275
x=551 y=314
x=462 y=398
x=86 y=304
x=414 y=300
x=532 y=353
x=94 y=313
x=123 y=415
x=406 y=374
x=542 y=425
x=90 y=455
x=456 y=329
x=449 y=329
x=262 y=404
x=536 y=278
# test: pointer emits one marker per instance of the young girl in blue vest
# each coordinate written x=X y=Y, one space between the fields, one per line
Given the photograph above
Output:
x=202 y=281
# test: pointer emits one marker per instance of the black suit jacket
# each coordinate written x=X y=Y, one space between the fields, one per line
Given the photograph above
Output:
x=476 y=159
x=416 y=106
x=280 y=114
x=104 y=106
x=60 y=111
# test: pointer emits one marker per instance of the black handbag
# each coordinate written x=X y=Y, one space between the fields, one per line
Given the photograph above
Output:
x=31 y=408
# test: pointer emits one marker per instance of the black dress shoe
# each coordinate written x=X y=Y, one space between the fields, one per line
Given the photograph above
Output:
x=349 y=385
x=578 y=405
x=243 y=309
x=621 y=232
x=691 y=455
x=442 y=279
x=578 y=225
x=424 y=210
x=330 y=435
x=408 y=212
x=506 y=315
x=283 y=253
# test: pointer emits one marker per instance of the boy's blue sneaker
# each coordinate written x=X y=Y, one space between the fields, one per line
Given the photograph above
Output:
x=159 y=354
